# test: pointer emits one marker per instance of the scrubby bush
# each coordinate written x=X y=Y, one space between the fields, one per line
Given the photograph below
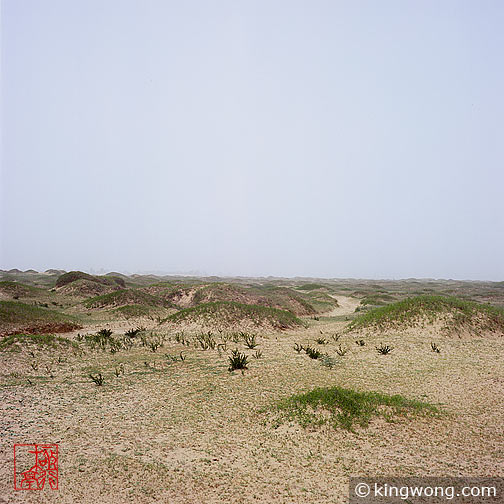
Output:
x=341 y=351
x=249 y=340
x=98 y=379
x=384 y=349
x=237 y=360
x=313 y=353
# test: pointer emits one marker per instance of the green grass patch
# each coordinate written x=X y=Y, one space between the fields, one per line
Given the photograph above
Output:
x=14 y=342
x=377 y=299
x=346 y=408
x=229 y=312
x=16 y=317
x=13 y=312
x=410 y=311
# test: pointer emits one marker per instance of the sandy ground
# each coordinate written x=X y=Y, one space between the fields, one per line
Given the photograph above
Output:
x=346 y=306
x=191 y=432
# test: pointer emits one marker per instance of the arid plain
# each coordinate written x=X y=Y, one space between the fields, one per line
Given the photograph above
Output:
x=243 y=390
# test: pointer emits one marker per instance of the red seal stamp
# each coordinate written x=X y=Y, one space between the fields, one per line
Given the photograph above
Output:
x=35 y=465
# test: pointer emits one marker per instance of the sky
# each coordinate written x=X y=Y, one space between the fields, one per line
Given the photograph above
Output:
x=290 y=138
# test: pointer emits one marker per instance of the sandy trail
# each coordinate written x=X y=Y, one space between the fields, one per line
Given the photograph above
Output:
x=346 y=306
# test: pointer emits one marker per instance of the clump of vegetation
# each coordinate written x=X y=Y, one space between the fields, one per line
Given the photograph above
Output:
x=360 y=342
x=132 y=333
x=103 y=339
x=321 y=341
x=49 y=370
x=155 y=341
x=175 y=358
x=119 y=370
x=258 y=354
x=235 y=337
x=127 y=342
x=249 y=340
x=313 y=353
x=206 y=340
x=341 y=351
x=98 y=379
x=115 y=345
x=328 y=361
x=181 y=338
x=344 y=408
x=298 y=348
x=237 y=360
x=384 y=349
x=435 y=348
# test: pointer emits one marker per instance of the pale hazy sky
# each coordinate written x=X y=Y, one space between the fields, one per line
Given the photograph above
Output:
x=276 y=137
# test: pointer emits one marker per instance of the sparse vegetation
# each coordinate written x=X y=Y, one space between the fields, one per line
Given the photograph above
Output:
x=206 y=340
x=154 y=343
x=233 y=314
x=127 y=297
x=190 y=402
x=16 y=341
x=328 y=361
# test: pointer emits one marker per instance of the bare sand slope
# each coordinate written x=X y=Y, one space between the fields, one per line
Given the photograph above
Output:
x=346 y=306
